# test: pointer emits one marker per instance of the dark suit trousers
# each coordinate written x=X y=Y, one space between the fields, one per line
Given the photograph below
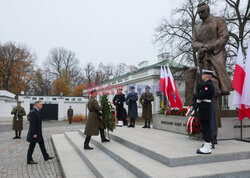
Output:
x=32 y=147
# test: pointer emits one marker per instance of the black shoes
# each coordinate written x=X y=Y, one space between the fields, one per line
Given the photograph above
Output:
x=105 y=140
x=50 y=157
x=130 y=125
x=32 y=162
x=145 y=126
x=88 y=148
x=16 y=137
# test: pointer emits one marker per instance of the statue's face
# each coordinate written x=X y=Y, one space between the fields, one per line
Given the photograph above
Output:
x=203 y=12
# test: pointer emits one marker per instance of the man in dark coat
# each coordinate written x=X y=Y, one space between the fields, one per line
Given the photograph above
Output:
x=118 y=102
x=70 y=114
x=145 y=100
x=94 y=123
x=131 y=100
x=204 y=97
x=35 y=134
x=18 y=112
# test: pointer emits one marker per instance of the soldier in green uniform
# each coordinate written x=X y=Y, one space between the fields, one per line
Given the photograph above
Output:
x=70 y=114
x=145 y=100
x=94 y=123
x=18 y=112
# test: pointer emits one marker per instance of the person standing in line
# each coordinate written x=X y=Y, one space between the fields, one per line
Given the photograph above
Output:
x=35 y=134
x=118 y=102
x=131 y=101
x=145 y=100
x=70 y=114
x=18 y=112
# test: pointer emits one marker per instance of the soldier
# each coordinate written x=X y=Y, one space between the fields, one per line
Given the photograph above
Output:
x=204 y=97
x=70 y=114
x=18 y=112
x=132 y=106
x=35 y=134
x=118 y=102
x=145 y=100
x=94 y=123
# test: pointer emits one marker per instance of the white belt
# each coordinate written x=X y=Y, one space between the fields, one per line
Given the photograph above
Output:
x=207 y=101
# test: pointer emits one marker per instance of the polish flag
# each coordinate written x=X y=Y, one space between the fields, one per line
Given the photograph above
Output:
x=172 y=92
x=166 y=81
x=245 y=97
x=240 y=83
x=162 y=81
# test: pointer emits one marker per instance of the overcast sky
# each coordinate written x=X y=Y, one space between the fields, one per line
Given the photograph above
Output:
x=96 y=30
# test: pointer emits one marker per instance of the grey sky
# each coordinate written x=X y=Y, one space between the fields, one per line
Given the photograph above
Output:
x=96 y=30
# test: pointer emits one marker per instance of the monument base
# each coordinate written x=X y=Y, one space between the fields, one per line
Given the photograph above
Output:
x=231 y=126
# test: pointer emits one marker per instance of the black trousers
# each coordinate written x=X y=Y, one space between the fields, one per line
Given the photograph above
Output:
x=206 y=130
x=32 y=147
x=87 y=140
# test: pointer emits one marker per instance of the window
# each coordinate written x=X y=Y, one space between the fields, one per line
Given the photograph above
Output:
x=54 y=99
x=79 y=99
x=34 y=98
x=66 y=99
x=73 y=99
x=40 y=99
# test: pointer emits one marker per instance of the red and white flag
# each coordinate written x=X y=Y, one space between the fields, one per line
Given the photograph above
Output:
x=172 y=92
x=241 y=82
x=162 y=81
x=166 y=81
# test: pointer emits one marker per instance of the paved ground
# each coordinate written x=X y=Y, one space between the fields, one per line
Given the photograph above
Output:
x=13 y=152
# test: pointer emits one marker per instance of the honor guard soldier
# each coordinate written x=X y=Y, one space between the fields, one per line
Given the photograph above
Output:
x=146 y=98
x=118 y=101
x=205 y=97
x=132 y=106
x=18 y=112
x=70 y=114
x=94 y=123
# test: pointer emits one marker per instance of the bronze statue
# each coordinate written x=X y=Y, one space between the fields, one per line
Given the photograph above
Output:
x=209 y=39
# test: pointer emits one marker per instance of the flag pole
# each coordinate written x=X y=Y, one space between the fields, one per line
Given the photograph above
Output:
x=241 y=130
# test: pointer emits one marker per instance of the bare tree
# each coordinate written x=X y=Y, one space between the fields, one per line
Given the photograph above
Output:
x=61 y=59
x=89 y=70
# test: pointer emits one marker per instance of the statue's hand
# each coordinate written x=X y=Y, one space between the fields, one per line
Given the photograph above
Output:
x=209 y=47
x=201 y=52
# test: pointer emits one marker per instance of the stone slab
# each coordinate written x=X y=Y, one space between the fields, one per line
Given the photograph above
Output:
x=230 y=126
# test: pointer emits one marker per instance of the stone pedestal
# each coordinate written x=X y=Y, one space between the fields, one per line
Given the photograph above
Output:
x=230 y=126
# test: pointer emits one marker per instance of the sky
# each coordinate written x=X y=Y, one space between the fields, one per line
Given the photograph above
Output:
x=96 y=30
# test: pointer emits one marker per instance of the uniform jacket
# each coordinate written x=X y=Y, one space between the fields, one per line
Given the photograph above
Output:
x=35 y=126
x=145 y=100
x=18 y=112
x=132 y=105
x=118 y=101
x=207 y=92
x=93 y=123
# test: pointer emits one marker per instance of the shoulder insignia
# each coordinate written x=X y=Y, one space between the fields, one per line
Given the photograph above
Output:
x=206 y=88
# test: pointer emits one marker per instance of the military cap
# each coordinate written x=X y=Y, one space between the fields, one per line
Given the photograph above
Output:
x=132 y=87
x=210 y=72
x=19 y=102
x=147 y=87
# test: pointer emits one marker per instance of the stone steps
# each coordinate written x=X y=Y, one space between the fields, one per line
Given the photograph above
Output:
x=129 y=154
x=99 y=163
x=72 y=165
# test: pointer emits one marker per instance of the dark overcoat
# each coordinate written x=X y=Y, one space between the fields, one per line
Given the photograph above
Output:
x=205 y=108
x=70 y=113
x=94 y=123
x=213 y=120
x=118 y=101
x=145 y=100
x=18 y=112
x=131 y=100
x=35 y=126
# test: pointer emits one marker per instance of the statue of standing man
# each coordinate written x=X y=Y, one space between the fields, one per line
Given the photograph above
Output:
x=209 y=39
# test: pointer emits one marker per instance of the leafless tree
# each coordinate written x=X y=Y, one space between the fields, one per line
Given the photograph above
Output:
x=89 y=71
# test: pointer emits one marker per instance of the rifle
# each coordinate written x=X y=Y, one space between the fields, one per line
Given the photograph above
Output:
x=196 y=90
